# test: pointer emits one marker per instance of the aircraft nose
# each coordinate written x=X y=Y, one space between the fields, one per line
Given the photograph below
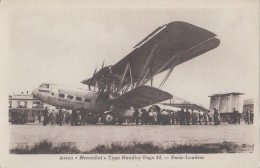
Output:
x=35 y=92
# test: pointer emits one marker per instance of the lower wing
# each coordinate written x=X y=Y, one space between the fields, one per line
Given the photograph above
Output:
x=141 y=96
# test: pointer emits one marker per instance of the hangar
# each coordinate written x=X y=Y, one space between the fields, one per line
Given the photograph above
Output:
x=225 y=103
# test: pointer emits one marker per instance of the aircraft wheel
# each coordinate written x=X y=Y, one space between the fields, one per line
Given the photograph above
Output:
x=93 y=119
x=108 y=118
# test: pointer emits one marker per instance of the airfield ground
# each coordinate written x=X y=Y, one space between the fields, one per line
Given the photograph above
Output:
x=89 y=136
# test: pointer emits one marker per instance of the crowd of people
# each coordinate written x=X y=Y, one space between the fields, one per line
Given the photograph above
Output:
x=249 y=117
x=75 y=118
x=19 y=116
x=236 y=117
x=153 y=116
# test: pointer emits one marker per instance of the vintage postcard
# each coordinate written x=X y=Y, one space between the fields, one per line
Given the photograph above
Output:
x=133 y=84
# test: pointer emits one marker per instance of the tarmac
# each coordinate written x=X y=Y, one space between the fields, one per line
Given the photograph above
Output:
x=87 y=137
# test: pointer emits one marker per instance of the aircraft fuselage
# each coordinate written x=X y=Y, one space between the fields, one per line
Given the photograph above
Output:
x=75 y=99
x=70 y=98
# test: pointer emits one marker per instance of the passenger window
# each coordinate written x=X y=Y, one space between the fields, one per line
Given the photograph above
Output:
x=61 y=95
x=70 y=97
x=87 y=100
x=78 y=98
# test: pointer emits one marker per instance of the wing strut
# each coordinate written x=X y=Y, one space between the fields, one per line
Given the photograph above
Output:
x=131 y=78
x=128 y=67
x=123 y=77
x=173 y=57
x=164 y=65
x=169 y=72
x=147 y=65
x=145 y=75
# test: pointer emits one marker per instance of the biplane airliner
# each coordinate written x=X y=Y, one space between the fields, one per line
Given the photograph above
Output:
x=116 y=91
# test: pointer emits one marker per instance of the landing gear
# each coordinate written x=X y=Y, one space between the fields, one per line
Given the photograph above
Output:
x=93 y=118
x=108 y=118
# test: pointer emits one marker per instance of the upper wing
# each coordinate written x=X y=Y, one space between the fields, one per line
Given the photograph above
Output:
x=141 y=96
x=168 y=41
x=171 y=39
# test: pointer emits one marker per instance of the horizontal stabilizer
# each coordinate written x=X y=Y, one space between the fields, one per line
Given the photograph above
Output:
x=141 y=96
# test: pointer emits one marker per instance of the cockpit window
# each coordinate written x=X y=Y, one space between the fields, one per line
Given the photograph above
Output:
x=44 y=85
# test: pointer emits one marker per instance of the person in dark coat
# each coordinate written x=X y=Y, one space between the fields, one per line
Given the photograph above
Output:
x=247 y=117
x=188 y=117
x=165 y=117
x=200 y=117
x=52 y=118
x=144 y=117
x=136 y=116
x=19 y=117
x=16 y=117
x=235 y=116
x=39 y=116
x=177 y=118
x=206 y=118
x=172 y=117
x=46 y=116
x=83 y=116
x=12 y=116
x=182 y=116
x=216 y=117
x=251 y=117
x=193 y=118
x=238 y=118
x=60 y=118
x=67 y=118
x=74 y=117
x=25 y=117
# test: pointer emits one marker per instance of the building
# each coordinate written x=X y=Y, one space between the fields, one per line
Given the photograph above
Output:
x=28 y=103
x=225 y=103
x=24 y=101
x=248 y=104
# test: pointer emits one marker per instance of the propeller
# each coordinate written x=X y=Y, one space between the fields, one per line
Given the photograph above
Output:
x=103 y=64
x=102 y=95
x=94 y=74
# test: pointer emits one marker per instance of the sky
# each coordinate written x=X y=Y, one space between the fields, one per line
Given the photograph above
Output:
x=64 y=46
